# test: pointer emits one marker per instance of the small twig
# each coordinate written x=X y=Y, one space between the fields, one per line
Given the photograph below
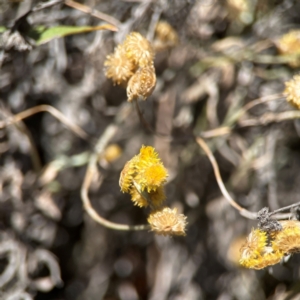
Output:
x=93 y=12
x=268 y=118
x=45 y=108
x=216 y=132
x=108 y=134
x=284 y=208
x=227 y=129
x=262 y=100
x=244 y=212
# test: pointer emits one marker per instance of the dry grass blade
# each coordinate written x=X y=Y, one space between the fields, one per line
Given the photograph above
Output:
x=45 y=108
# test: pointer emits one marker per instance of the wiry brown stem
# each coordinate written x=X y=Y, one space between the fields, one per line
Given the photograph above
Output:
x=244 y=212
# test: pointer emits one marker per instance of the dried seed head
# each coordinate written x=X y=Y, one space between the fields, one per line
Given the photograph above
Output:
x=292 y=91
x=289 y=44
x=138 y=49
x=167 y=222
x=118 y=67
x=141 y=84
x=165 y=36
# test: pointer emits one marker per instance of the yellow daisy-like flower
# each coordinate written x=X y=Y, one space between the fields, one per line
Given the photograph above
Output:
x=292 y=91
x=141 y=84
x=138 y=49
x=255 y=254
x=118 y=67
x=288 y=239
x=167 y=222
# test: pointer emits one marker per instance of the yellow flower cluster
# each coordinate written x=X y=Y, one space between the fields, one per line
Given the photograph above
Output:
x=289 y=44
x=143 y=178
x=165 y=36
x=131 y=65
x=264 y=249
x=292 y=91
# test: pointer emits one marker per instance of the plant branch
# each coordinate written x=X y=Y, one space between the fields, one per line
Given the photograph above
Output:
x=104 y=139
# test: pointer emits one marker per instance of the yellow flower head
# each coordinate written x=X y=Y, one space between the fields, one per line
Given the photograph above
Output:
x=151 y=172
x=165 y=36
x=264 y=261
x=144 y=173
x=118 y=67
x=256 y=254
x=289 y=44
x=292 y=91
x=167 y=222
x=288 y=239
x=255 y=245
x=138 y=49
x=141 y=84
